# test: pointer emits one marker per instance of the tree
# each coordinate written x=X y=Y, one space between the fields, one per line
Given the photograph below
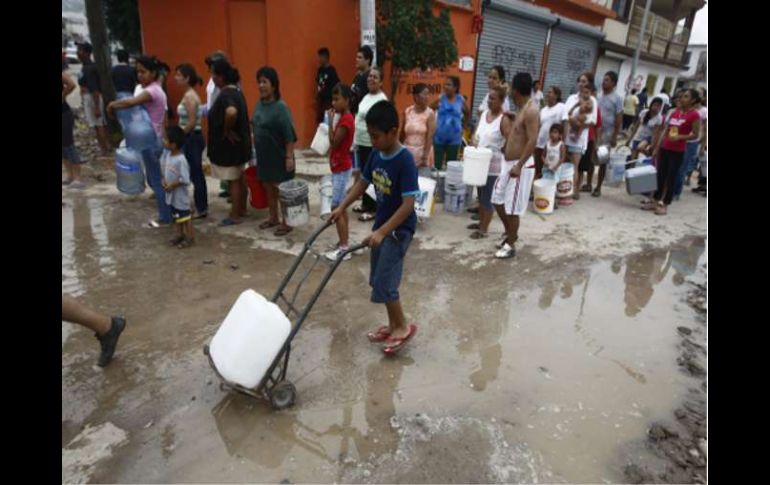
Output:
x=123 y=21
x=98 y=32
x=411 y=37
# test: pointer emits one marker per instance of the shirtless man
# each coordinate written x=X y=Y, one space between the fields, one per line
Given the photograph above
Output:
x=511 y=192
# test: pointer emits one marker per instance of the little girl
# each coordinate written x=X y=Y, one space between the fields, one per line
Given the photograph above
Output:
x=555 y=152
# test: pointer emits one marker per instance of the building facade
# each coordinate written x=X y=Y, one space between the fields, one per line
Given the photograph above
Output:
x=696 y=74
x=285 y=34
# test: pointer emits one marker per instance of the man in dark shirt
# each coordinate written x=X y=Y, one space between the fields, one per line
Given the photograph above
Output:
x=364 y=59
x=123 y=76
x=91 y=94
x=325 y=80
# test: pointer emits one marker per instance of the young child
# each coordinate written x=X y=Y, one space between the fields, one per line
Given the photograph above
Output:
x=555 y=152
x=176 y=183
x=579 y=114
x=340 y=161
x=392 y=170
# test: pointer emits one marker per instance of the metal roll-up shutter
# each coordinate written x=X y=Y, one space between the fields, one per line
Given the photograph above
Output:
x=513 y=37
x=571 y=53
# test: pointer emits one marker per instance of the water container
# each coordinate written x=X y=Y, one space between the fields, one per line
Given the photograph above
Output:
x=602 y=154
x=320 y=143
x=249 y=339
x=641 y=180
x=545 y=195
x=257 y=194
x=440 y=185
x=295 y=206
x=140 y=135
x=327 y=192
x=129 y=170
x=476 y=165
x=454 y=203
x=564 y=185
x=616 y=169
x=453 y=182
x=423 y=204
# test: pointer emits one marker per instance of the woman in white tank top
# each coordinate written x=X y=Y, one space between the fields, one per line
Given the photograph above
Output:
x=491 y=133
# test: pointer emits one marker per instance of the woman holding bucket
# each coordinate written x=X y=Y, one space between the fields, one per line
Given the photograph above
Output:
x=491 y=132
x=274 y=139
x=418 y=127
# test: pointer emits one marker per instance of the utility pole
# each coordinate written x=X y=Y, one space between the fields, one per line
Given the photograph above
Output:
x=97 y=29
x=639 y=43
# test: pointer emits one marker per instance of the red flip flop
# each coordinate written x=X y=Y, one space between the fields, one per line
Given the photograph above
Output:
x=379 y=335
x=399 y=341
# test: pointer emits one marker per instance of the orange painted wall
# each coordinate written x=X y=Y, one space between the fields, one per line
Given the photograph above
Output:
x=180 y=31
x=462 y=22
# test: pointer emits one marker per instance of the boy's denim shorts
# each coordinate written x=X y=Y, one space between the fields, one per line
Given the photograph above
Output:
x=339 y=186
x=387 y=264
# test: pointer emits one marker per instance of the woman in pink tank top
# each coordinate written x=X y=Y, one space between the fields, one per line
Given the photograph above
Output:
x=153 y=99
x=418 y=127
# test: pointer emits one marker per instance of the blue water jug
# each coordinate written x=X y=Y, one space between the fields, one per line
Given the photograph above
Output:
x=130 y=171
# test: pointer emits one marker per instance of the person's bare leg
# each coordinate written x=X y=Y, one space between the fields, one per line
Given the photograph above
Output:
x=104 y=141
x=272 y=202
x=503 y=217
x=396 y=319
x=75 y=312
x=602 y=173
x=236 y=192
x=512 y=229
x=189 y=231
x=342 y=229
x=279 y=212
x=70 y=170
x=485 y=218
x=578 y=177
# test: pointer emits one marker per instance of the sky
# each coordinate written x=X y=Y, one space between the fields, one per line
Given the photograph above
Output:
x=700 y=28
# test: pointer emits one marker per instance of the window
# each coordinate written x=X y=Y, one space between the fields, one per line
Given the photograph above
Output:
x=687 y=58
x=652 y=80
x=622 y=8
x=668 y=83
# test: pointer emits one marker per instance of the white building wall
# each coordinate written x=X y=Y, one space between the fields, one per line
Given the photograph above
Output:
x=643 y=69
x=694 y=56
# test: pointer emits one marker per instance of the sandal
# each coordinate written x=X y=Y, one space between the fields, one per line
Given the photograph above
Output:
x=596 y=193
x=649 y=206
x=202 y=215
x=366 y=217
x=359 y=209
x=283 y=230
x=399 y=342
x=379 y=335
x=585 y=188
x=176 y=240
x=269 y=224
x=479 y=235
x=229 y=222
x=186 y=243
x=475 y=225
x=661 y=210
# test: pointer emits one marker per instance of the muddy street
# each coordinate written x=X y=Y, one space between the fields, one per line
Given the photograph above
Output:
x=551 y=367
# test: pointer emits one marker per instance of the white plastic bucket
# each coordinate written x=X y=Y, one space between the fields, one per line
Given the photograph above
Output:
x=423 y=204
x=476 y=165
x=327 y=191
x=616 y=169
x=294 y=202
x=565 y=182
x=545 y=194
x=320 y=143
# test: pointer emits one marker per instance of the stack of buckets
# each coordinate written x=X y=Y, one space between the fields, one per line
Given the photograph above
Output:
x=455 y=192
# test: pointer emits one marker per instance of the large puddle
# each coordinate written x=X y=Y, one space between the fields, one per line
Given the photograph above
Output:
x=540 y=375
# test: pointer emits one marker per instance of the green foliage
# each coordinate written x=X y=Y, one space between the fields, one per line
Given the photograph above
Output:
x=122 y=17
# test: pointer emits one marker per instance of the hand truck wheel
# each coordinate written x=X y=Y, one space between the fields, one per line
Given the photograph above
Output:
x=283 y=395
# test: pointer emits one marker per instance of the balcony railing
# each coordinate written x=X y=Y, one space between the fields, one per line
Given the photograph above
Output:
x=663 y=39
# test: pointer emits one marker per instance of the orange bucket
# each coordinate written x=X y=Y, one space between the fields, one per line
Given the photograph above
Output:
x=257 y=194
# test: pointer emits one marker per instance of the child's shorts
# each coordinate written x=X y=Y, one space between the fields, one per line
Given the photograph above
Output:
x=387 y=264
x=574 y=149
x=180 y=216
x=339 y=186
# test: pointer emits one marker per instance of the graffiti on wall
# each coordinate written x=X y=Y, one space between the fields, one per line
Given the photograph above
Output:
x=577 y=61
